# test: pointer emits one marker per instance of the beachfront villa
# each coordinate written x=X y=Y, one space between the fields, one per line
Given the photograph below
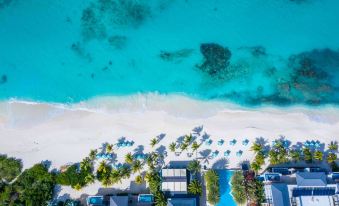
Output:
x=174 y=185
x=301 y=188
x=121 y=200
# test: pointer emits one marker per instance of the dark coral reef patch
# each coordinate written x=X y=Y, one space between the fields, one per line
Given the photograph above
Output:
x=216 y=59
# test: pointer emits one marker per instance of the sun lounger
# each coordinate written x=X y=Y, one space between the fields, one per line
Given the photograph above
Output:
x=245 y=142
x=233 y=142
x=221 y=142
x=239 y=153
x=227 y=153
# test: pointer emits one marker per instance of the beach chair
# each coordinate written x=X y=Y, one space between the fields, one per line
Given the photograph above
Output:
x=215 y=153
x=227 y=153
x=233 y=142
x=208 y=142
x=245 y=142
x=221 y=142
x=239 y=153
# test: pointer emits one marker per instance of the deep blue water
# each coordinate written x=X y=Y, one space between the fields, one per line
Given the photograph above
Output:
x=225 y=188
x=278 y=52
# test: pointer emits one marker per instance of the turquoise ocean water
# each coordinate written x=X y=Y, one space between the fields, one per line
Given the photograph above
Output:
x=274 y=52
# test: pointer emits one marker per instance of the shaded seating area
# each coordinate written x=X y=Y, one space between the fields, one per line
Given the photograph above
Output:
x=281 y=170
x=104 y=156
x=221 y=142
x=273 y=177
x=227 y=153
x=245 y=142
x=233 y=142
x=239 y=153
x=313 y=191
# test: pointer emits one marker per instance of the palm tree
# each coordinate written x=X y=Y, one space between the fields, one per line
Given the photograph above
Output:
x=260 y=158
x=195 y=188
x=137 y=166
x=195 y=146
x=295 y=155
x=129 y=158
x=256 y=147
x=160 y=199
x=92 y=154
x=103 y=167
x=307 y=155
x=109 y=148
x=238 y=189
x=172 y=147
x=86 y=164
x=139 y=180
x=125 y=172
x=255 y=167
x=188 y=139
x=194 y=166
x=333 y=146
x=154 y=141
x=89 y=179
x=318 y=155
x=115 y=177
x=183 y=146
x=331 y=158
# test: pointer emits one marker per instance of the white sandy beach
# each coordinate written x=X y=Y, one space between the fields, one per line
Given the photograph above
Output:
x=65 y=134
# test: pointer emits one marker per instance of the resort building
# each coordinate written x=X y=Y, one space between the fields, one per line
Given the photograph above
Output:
x=174 y=181
x=300 y=189
x=174 y=185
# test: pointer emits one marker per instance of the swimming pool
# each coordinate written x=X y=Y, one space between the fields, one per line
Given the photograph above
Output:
x=145 y=198
x=225 y=188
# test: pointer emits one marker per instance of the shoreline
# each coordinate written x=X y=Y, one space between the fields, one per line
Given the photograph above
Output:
x=35 y=132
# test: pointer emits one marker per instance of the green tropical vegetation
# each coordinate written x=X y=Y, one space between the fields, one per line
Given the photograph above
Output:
x=194 y=166
x=278 y=154
x=129 y=158
x=308 y=156
x=172 y=147
x=10 y=168
x=77 y=176
x=318 y=155
x=295 y=155
x=331 y=158
x=154 y=141
x=238 y=188
x=33 y=187
x=154 y=181
x=333 y=146
x=212 y=187
x=184 y=146
x=195 y=187
x=139 y=180
x=188 y=139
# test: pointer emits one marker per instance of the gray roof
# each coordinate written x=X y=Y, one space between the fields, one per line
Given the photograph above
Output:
x=310 y=179
x=118 y=201
x=280 y=196
x=181 y=202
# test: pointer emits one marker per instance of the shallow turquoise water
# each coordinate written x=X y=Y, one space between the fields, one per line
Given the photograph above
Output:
x=225 y=188
x=69 y=51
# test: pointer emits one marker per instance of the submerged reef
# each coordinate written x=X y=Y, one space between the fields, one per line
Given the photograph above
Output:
x=3 y=79
x=101 y=16
x=117 y=41
x=310 y=77
x=92 y=27
x=176 y=56
x=216 y=59
x=5 y=3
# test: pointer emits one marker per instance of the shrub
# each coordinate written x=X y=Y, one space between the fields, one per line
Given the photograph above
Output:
x=9 y=168
x=77 y=177
x=35 y=186
x=238 y=188
x=195 y=188
x=212 y=187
